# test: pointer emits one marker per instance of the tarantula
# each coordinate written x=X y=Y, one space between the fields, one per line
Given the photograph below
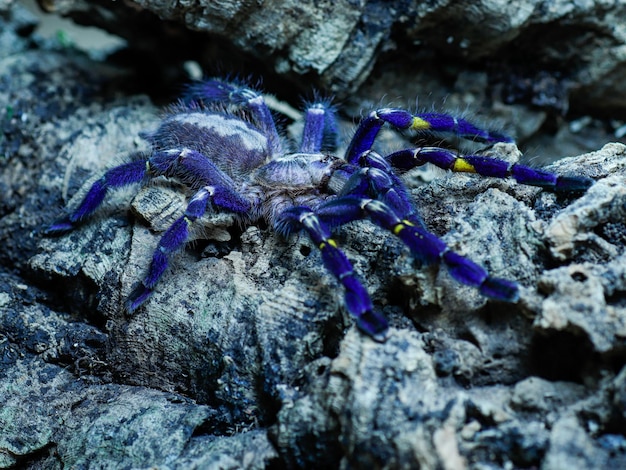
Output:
x=222 y=143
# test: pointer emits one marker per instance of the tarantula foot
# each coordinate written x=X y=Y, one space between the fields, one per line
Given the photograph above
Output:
x=60 y=227
x=500 y=289
x=374 y=325
x=573 y=184
x=137 y=297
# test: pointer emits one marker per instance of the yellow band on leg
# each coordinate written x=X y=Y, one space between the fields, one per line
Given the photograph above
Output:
x=419 y=124
x=462 y=165
x=398 y=228
x=330 y=242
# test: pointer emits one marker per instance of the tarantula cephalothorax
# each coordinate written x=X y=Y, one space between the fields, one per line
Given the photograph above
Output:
x=222 y=143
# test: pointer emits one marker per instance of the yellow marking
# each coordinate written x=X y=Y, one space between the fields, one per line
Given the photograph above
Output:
x=462 y=165
x=398 y=228
x=147 y=166
x=187 y=220
x=408 y=222
x=419 y=124
x=330 y=242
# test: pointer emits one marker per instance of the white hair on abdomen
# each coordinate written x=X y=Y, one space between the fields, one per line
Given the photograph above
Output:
x=225 y=126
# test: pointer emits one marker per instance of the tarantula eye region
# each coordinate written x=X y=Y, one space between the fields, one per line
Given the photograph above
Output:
x=235 y=162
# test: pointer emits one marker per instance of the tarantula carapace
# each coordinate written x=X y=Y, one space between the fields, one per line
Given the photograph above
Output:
x=221 y=142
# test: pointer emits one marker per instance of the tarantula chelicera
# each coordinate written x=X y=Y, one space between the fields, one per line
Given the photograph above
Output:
x=222 y=143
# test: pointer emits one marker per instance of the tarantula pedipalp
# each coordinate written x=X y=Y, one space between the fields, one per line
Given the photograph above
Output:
x=222 y=144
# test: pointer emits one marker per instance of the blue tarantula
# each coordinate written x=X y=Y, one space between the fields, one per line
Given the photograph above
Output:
x=222 y=144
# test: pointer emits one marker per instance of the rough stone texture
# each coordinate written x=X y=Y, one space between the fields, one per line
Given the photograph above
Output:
x=519 y=67
x=551 y=49
x=59 y=408
x=245 y=358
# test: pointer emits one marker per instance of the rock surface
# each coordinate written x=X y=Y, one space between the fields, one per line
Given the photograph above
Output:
x=546 y=44
x=245 y=357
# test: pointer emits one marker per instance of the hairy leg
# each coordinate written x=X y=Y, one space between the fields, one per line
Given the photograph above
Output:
x=177 y=235
x=320 y=128
x=357 y=299
x=488 y=166
x=377 y=179
x=401 y=119
x=424 y=245
x=123 y=175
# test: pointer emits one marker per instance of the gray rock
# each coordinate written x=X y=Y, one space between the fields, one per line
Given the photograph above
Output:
x=339 y=42
x=59 y=407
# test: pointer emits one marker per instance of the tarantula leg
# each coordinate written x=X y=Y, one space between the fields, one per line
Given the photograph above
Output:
x=176 y=236
x=488 y=166
x=357 y=299
x=400 y=119
x=189 y=166
x=424 y=245
x=379 y=182
x=123 y=175
x=320 y=129
x=218 y=91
